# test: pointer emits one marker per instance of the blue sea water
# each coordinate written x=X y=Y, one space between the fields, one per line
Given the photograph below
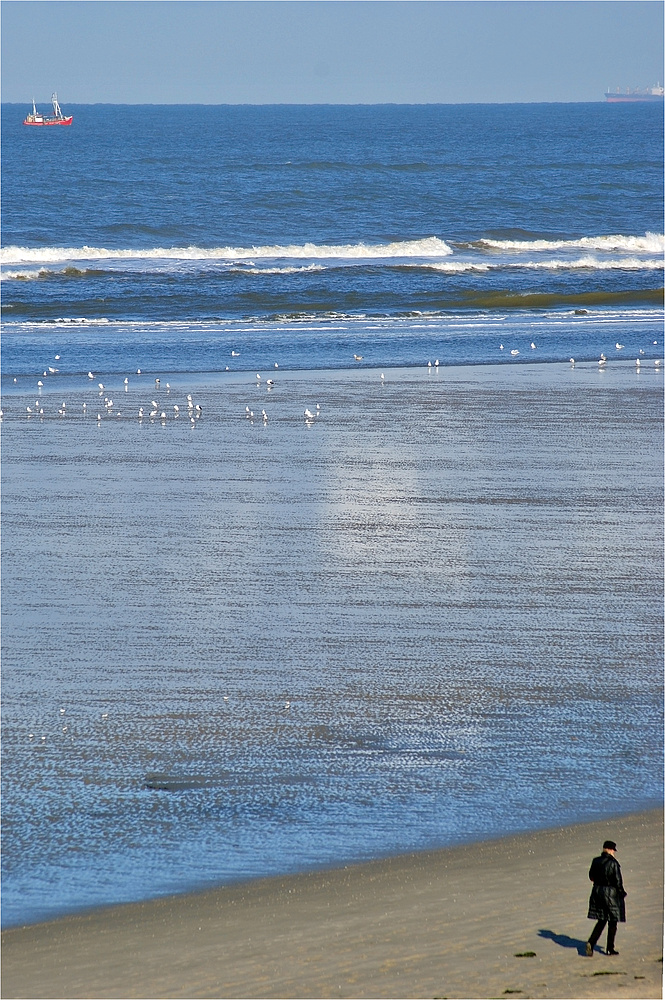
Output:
x=236 y=645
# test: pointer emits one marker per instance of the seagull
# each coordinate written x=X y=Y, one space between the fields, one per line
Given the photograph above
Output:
x=154 y=403
x=176 y=408
x=572 y=361
x=258 y=377
x=40 y=383
x=657 y=362
x=199 y=408
x=101 y=385
x=235 y=354
x=138 y=371
x=309 y=415
x=90 y=375
x=15 y=381
x=126 y=381
x=514 y=352
x=140 y=411
x=641 y=351
x=436 y=363
x=500 y=347
x=533 y=346
x=99 y=417
x=157 y=381
x=162 y=415
x=57 y=357
x=637 y=362
x=382 y=376
x=53 y=370
x=429 y=364
x=270 y=381
x=276 y=365
x=357 y=357
x=619 y=346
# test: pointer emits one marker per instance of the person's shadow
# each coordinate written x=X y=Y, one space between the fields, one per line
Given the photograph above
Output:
x=564 y=941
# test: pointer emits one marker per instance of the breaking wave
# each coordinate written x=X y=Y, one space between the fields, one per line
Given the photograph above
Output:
x=431 y=246
x=649 y=243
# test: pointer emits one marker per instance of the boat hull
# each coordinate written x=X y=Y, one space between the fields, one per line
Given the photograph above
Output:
x=52 y=121
x=634 y=98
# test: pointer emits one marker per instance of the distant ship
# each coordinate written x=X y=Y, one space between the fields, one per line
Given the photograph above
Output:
x=651 y=95
x=57 y=118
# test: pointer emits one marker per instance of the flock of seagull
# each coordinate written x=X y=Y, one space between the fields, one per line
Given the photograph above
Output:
x=159 y=411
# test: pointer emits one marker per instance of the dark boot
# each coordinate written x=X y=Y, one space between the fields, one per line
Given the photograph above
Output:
x=611 y=934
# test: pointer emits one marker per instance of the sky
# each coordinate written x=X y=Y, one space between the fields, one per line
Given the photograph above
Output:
x=327 y=52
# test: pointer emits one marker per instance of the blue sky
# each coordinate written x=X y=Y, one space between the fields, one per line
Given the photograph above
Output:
x=327 y=52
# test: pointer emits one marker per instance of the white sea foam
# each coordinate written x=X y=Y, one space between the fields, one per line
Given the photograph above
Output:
x=588 y=262
x=432 y=246
x=649 y=243
x=281 y=270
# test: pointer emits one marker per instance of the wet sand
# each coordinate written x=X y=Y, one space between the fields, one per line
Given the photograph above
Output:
x=449 y=923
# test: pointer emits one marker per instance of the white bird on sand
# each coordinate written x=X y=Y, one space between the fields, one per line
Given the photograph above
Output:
x=176 y=408
x=162 y=415
x=126 y=381
x=436 y=363
x=157 y=381
x=429 y=364
x=101 y=385
x=99 y=416
x=572 y=361
x=657 y=362
x=637 y=362
x=309 y=415
x=258 y=377
x=270 y=381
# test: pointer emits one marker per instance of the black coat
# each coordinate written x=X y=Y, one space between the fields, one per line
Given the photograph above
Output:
x=607 y=896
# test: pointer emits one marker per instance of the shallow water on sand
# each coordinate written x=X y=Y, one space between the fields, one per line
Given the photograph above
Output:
x=430 y=614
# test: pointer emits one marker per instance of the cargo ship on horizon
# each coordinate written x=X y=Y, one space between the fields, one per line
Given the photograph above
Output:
x=652 y=95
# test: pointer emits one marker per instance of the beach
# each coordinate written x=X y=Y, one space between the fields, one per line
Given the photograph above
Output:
x=450 y=923
x=238 y=648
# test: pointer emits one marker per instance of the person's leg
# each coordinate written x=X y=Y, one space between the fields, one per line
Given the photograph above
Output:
x=595 y=934
x=611 y=934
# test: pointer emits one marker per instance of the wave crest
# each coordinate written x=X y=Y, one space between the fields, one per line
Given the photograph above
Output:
x=431 y=246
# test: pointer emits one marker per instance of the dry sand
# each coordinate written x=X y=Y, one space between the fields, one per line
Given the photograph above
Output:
x=447 y=923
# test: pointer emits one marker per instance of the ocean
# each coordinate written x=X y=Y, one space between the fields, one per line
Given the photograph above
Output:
x=316 y=544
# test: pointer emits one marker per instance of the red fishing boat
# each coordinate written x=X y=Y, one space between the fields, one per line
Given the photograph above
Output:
x=57 y=118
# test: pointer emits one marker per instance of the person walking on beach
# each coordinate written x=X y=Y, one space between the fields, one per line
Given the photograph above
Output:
x=606 y=903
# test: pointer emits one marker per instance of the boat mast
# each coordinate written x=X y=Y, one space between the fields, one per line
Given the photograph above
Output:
x=56 y=107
